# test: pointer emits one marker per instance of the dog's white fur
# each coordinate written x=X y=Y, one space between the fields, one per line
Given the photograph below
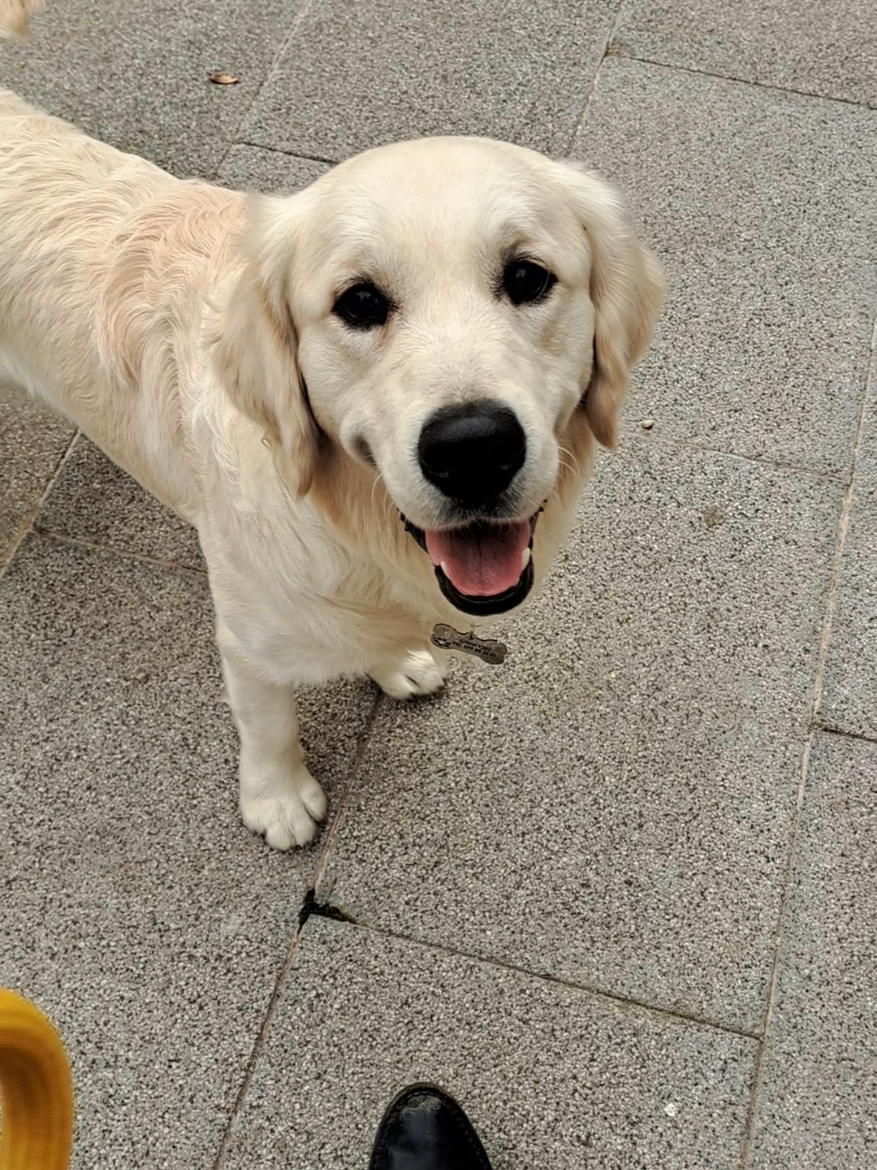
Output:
x=190 y=335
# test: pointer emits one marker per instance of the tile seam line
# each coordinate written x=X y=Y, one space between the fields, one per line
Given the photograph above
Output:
x=585 y=989
x=28 y=524
x=331 y=162
x=256 y=1051
x=592 y=88
x=119 y=554
x=844 y=733
x=695 y=72
x=816 y=700
x=666 y=442
x=295 y=24
x=347 y=789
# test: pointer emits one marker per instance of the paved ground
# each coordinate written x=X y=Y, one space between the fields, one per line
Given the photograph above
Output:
x=619 y=895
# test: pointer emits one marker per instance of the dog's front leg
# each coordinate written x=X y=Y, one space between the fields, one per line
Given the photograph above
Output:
x=279 y=798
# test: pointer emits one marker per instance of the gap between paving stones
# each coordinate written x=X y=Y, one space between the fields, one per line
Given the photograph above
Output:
x=27 y=525
x=622 y=53
x=313 y=908
x=298 y=18
x=592 y=88
x=330 y=162
x=842 y=733
x=610 y=49
x=120 y=553
x=613 y=49
x=296 y=23
x=328 y=840
x=653 y=439
x=256 y=1050
x=308 y=907
x=813 y=731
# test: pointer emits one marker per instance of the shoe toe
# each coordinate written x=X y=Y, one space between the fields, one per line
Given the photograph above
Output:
x=425 y=1129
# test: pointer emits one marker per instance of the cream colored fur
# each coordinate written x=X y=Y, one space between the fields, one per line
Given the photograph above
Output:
x=14 y=16
x=190 y=335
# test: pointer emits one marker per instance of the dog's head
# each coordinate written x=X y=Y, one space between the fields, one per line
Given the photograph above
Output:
x=443 y=312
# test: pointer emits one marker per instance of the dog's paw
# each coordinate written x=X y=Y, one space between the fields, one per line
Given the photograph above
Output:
x=417 y=673
x=284 y=814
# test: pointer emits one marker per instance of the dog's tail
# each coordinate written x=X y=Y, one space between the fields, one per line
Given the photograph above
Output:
x=14 y=16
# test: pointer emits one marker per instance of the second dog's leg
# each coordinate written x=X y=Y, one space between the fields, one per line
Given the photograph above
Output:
x=278 y=796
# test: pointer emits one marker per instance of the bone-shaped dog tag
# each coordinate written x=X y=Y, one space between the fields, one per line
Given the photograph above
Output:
x=487 y=649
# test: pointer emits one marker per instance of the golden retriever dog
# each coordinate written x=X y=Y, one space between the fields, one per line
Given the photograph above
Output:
x=376 y=400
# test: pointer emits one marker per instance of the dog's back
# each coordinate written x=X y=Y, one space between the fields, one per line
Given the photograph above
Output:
x=106 y=264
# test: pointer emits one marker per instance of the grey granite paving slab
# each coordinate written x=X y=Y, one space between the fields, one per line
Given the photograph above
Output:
x=551 y=1076
x=94 y=501
x=817 y=1107
x=252 y=168
x=866 y=465
x=354 y=76
x=849 y=695
x=32 y=444
x=827 y=49
x=137 y=910
x=763 y=208
x=135 y=75
x=613 y=806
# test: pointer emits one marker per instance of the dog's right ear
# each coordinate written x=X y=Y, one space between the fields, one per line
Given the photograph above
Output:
x=255 y=346
x=627 y=288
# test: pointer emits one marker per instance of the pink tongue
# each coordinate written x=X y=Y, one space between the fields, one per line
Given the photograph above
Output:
x=483 y=560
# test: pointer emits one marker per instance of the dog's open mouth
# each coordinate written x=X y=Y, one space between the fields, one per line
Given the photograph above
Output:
x=483 y=568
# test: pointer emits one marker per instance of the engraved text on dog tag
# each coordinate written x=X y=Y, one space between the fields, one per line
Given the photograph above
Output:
x=487 y=649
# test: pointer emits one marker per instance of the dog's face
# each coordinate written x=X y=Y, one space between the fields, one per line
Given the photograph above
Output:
x=440 y=310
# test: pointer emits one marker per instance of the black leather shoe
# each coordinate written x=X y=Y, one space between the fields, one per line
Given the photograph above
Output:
x=425 y=1129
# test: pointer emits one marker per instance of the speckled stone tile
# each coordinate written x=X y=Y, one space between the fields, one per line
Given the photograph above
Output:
x=866 y=464
x=550 y=1076
x=762 y=207
x=827 y=49
x=135 y=75
x=817 y=1105
x=354 y=76
x=94 y=501
x=849 y=694
x=32 y=444
x=252 y=168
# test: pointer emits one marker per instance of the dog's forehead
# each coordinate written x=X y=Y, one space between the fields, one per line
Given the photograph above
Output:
x=442 y=189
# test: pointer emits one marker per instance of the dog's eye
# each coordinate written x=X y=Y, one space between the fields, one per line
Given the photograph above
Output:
x=524 y=282
x=363 y=306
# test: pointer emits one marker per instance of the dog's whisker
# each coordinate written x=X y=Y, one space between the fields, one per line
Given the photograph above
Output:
x=575 y=462
x=389 y=508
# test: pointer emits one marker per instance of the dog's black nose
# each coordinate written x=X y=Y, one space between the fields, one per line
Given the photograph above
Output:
x=472 y=452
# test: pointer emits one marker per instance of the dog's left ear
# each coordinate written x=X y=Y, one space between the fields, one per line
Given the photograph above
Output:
x=627 y=289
